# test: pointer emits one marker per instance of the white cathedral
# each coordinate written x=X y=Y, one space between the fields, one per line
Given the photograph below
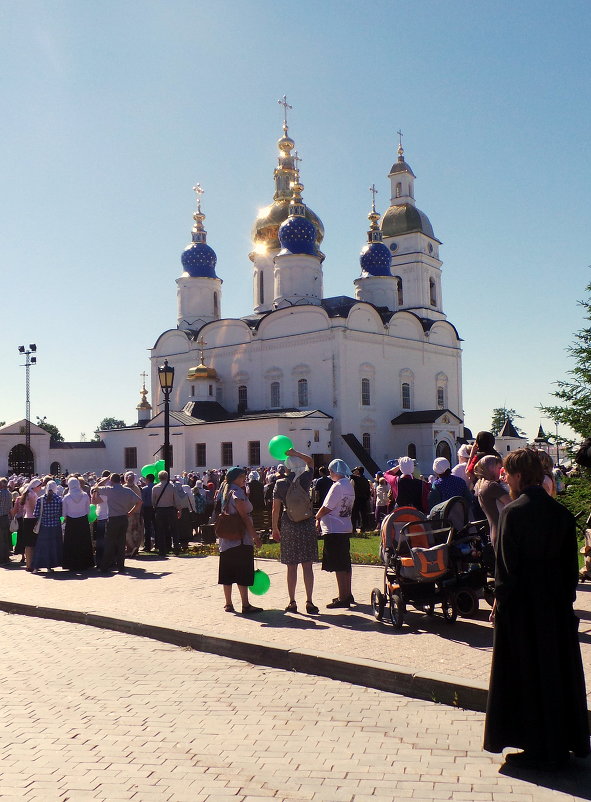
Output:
x=366 y=376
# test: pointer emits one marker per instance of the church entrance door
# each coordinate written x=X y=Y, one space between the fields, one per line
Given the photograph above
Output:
x=443 y=450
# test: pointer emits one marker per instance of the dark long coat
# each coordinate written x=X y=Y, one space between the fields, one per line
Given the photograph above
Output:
x=537 y=698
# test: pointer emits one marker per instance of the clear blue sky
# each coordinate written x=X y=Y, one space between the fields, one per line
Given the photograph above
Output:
x=112 y=111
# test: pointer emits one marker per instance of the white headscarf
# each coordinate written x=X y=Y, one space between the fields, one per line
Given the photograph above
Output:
x=295 y=465
x=74 y=489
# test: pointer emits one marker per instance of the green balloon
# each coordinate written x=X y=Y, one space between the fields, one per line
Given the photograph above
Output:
x=92 y=514
x=14 y=537
x=261 y=583
x=62 y=519
x=148 y=469
x=279 y=445
x=159 y=466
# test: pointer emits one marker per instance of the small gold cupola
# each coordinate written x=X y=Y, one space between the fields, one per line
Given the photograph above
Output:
x=201 y=371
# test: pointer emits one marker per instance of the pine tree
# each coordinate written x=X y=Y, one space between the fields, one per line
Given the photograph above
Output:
x=575 y=393
x=499 y=416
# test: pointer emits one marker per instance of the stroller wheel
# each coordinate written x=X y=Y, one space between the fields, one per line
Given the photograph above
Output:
x=449 y=608
x=489 y=593
x=378 y=602
x=466 y=602
x=397 y=609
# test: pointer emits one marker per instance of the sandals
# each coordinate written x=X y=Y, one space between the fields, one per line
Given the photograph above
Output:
x=250 y=609
x=292 y=607
x=229 y=608
x=311 y=608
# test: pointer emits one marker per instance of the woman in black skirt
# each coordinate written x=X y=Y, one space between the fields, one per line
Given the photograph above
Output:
x=237 y=556
x=77 y=553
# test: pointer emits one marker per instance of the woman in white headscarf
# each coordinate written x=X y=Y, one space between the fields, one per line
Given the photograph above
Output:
x=48 y=548
x=28 y=500
x=77 y=553
x=299 y=542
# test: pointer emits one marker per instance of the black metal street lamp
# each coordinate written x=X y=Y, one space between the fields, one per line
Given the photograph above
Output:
x=166 y=379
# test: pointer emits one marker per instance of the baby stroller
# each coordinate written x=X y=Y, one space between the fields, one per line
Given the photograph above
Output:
x=417 y=571
x=471 y=555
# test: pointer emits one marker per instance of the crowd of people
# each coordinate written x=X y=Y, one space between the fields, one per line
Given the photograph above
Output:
x=537 y=696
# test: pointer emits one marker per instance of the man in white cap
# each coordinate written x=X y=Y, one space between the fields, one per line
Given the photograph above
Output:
x=447 y=486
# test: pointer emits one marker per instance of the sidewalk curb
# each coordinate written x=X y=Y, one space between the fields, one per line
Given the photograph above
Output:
x=432 y=687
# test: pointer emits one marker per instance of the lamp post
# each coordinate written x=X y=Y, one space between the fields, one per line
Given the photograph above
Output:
x=29 y=360
x=166 y=379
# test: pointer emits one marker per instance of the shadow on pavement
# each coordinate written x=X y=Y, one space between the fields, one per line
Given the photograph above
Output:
x=134 y=573
x=574 y=780
x=277 y=619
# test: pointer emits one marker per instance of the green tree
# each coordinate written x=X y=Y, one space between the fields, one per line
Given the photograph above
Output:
x=49 y=427
x=500 y=415
x=574 y=394
x=109 y=423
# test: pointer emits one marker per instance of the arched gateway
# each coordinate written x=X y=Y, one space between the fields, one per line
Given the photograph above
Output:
x=21 y=460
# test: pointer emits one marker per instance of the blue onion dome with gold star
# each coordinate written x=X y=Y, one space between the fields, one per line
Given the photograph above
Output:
x=375 y=257
x=198 y=258
x=265 y=231
x=297 y=234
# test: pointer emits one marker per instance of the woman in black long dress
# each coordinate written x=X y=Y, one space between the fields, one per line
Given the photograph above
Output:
x=537 y=699
x=77 y=553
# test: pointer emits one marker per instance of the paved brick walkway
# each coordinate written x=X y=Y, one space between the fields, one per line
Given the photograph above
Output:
x=94 y=715
x=182 y=592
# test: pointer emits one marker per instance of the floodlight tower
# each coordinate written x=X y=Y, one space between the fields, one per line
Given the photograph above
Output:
x=29 y=360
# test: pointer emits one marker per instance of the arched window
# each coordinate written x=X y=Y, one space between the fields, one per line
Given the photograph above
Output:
x=365 y=393
x=302 y=392
x=405 y=395
x=399 y=291
x=366 y=441
x=399 y=189
x=242 y=398
x=441 y=397
x=261 y=288
x=55 y=469
x=275 y=394
x=432 y=292
x=411 y=451
x=216 y=305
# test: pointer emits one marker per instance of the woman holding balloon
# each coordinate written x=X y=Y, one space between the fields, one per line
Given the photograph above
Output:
x=297 y=536
x=77 y=551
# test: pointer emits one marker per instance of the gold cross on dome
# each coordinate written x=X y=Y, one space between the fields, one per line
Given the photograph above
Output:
x=144 y=376
x=400 y=135
x=296 y=160
x=286 y=106
x=374 y=192
x=198 y=190
x=201 y=343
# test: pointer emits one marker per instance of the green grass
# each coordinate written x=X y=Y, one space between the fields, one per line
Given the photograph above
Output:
x=364 y=550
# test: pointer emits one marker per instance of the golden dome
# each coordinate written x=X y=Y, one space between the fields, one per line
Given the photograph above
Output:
x=266 y=226
x=201 y=372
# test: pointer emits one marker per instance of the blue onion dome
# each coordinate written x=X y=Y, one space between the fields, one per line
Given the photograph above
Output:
x=198 y=259
x=297 y=234
x=375 y=259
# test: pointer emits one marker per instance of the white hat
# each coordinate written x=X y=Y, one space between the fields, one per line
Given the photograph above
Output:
x=406 y=465
x=464 y=451
x=441 y=465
